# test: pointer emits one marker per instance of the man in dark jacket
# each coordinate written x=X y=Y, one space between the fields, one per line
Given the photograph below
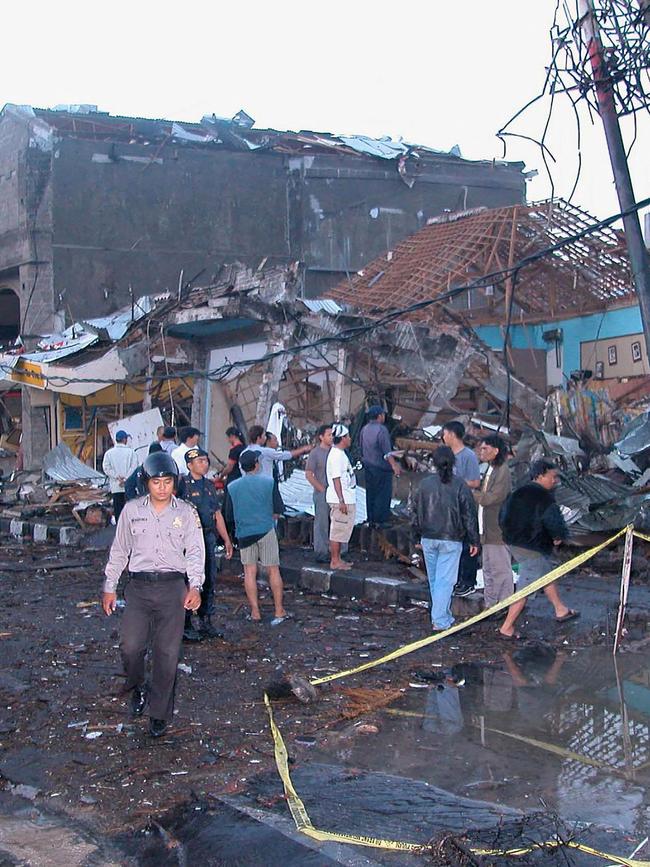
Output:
x=533 y=526
x=445 y=515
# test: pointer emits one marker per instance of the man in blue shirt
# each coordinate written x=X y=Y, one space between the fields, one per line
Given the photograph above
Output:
x=467 y=468
x=379 y=466
x=251 y=503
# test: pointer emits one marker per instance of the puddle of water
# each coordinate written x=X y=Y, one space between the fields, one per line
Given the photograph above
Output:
x=540 y=730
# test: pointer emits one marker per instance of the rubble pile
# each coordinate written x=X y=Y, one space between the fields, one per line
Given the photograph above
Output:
x=64 y=491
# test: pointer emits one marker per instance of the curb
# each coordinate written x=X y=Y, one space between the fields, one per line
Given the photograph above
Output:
x=65 y=535
x=378 y=589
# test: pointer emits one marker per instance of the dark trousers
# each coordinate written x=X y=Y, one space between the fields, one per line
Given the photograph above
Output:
x=467 y=568
x=119 y=500
x=154 y=611
x=379 y=489
x=207 y=591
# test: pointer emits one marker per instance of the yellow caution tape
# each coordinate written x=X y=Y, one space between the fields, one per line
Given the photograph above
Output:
x=304 y=824
x=542 y=582
x=297 y=808
x=568 y=844
x=642 y=536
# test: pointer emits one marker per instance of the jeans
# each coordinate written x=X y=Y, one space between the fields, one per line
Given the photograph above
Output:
x=467 y=568
x=119 y=499
x=441 y=558
x=379 y=489
x=207 y=608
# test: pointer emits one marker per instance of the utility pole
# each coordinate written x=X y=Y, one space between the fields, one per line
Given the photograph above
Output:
x=604 y=86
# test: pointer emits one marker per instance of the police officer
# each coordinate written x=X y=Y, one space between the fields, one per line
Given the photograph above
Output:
x=160 y=539
x=202 y=494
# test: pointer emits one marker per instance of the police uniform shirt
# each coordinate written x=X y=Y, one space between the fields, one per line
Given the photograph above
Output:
x=203 y=495
x=150 y=541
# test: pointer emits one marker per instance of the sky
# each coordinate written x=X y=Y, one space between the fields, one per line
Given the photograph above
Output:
x=435 y=72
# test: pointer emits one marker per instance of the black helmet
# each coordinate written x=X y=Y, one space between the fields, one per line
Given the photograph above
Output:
x=158 y=465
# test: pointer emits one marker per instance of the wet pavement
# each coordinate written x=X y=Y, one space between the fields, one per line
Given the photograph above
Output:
x=569 y=732
x=556 y=740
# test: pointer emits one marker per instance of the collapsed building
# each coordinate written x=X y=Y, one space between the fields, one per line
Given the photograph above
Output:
x=227 y=268
x=99 y=210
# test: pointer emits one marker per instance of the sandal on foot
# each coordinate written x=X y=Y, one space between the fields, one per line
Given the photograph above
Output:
x=514 y=637
x=278 y=620
x=250 y=619
x=570 y=615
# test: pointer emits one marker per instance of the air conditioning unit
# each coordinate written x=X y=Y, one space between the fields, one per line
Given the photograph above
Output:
x=553 y=336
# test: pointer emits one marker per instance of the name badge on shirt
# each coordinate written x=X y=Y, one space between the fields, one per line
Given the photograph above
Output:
x=177 y=522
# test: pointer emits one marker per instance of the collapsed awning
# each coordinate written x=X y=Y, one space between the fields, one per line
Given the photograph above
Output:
x=43 y=368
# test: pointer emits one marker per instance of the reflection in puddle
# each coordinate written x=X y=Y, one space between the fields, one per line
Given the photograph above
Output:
x=568 y=733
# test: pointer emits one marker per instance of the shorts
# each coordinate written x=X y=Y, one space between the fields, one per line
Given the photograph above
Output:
x=532 y=565
x=265 y=551
x=341 y=525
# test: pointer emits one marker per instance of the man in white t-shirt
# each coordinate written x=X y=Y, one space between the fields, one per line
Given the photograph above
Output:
x=189 y=437
x=341 y=495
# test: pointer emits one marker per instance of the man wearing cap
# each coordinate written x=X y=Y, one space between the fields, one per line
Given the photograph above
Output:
x=379 y=466
x=202 y=494
x=189 y=437
x=160 y=539
x=252 y=503
x=118 y=464
x=341 y=495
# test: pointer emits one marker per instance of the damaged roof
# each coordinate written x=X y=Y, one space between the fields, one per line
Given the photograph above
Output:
x=237 y=133
x=587 y=275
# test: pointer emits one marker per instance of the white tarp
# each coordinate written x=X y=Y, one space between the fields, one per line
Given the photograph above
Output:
x=141 y=428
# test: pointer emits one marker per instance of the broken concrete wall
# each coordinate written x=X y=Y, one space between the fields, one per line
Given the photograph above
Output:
x=354 y=210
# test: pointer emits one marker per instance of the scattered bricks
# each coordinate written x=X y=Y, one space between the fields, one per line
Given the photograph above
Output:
x=314 y=579
x=347 y=584
x=382 y=590
x=40 y=532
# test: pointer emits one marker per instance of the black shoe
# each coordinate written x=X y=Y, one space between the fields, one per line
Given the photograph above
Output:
x=464 y=591
x=157 y=727
x=191 y=634
x=138 y=700
x=207 y=630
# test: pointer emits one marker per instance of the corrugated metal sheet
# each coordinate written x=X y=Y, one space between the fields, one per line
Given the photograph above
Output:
x=61 y=465
x=322 y=305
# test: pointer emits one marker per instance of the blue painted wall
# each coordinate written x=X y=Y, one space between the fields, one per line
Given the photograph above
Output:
x=613 y=323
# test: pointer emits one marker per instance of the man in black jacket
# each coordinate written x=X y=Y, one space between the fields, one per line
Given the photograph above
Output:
x=533 y=526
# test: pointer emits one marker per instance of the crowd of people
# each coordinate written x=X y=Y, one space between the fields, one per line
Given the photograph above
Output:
x=171 y=516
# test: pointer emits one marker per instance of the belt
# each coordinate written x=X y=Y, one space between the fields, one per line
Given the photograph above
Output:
x=157 y=576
